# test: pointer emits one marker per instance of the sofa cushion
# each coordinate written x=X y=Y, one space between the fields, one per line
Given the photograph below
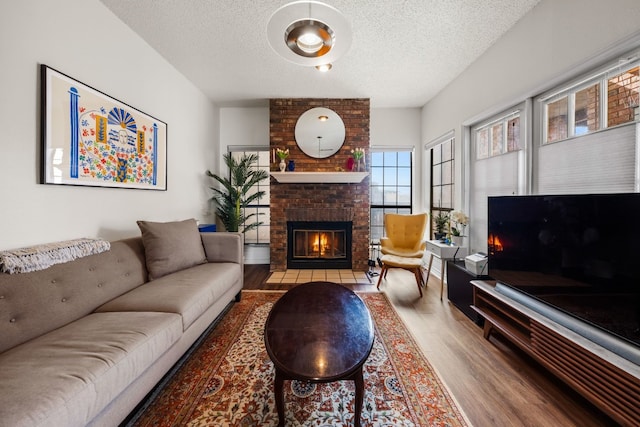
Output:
x=66 y=377
x=188 y=292
x=171 y=246
x=32 y=304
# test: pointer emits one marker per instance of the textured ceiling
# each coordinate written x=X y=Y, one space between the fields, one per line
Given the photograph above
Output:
x=403 y=52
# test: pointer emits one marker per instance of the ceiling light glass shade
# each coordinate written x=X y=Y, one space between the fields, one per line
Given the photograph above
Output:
x=286 y=35
x=309 y=38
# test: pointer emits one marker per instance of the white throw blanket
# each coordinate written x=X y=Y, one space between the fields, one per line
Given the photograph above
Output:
x=40 y=257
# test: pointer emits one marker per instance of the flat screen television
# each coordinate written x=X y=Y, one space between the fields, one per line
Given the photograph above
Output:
x=577 y=253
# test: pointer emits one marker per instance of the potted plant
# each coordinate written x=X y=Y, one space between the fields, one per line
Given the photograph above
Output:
x=459 y=221
x=442 y=224
x=235 y=194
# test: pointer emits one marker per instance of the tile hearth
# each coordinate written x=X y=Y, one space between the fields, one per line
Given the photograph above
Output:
x=336 y=276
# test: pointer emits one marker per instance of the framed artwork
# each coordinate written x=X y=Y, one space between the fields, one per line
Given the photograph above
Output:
x=91 y=139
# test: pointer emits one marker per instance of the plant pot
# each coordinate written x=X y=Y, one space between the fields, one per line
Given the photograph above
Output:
x=457 y=240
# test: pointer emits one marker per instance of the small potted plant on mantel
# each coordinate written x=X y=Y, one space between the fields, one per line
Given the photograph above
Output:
x=442 y=224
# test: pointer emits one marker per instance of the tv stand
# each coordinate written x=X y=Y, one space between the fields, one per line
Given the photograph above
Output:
x=609 y=381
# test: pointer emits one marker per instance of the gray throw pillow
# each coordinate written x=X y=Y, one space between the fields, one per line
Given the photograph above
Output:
x=171 y=246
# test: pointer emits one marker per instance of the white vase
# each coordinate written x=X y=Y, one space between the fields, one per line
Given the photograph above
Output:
x=282 y=165
x=457 y=240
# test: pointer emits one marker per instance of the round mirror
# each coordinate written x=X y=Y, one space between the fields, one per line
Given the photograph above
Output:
x=320 y=132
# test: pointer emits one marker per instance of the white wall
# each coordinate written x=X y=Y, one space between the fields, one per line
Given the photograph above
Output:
x=242 y=126
x=83 y=39
x=555 y=40
x=401 y=127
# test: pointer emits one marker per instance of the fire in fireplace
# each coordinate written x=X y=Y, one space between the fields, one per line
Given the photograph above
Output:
x=319 y=244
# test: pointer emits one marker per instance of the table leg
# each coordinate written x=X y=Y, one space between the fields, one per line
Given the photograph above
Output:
x=279 y=397
x=442 y=272
x=428 y=270
x=359 y=396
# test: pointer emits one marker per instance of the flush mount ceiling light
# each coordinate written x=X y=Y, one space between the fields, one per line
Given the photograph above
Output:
x=309 y=38
x=309 y=33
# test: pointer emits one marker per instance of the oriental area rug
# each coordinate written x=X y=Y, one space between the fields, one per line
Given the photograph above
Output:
x=228 y=379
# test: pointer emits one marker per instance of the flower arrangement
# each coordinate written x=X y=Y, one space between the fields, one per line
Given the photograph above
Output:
x=358 y=153
x=282 y=154
x=460 y=220
x=356 y=161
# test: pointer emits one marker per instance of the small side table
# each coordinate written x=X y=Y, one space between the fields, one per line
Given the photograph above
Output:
x=445 y=252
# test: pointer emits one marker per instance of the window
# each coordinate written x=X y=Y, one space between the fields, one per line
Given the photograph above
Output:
x=596 y=150
x=497 y=166
x=442 y=179
x=601 y=100
x=498 y=137
x=391 y=186
x=558 y=119
x=587 y=112
x=260 y=234
x=622 y=96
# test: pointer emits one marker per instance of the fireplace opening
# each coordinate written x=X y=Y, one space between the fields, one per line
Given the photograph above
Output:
x=319 y=244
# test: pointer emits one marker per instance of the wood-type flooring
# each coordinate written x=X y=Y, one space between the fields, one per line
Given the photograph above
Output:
x=494 y=383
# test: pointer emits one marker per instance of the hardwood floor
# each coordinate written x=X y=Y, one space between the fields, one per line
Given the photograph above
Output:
x=494 y=383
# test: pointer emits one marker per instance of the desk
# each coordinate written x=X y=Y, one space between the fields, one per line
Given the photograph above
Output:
x=444 y=252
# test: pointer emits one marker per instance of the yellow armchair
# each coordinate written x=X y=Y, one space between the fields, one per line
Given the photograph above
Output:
x=404 y=245
x=404 y=235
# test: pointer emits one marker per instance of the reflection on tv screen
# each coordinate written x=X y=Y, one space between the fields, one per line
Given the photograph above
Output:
x=578 y=253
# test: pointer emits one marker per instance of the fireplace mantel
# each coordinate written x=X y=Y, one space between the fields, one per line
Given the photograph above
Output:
x=319 y=177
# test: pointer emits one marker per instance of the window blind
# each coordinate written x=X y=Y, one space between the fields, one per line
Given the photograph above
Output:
x=496 y=176
x=602 y=162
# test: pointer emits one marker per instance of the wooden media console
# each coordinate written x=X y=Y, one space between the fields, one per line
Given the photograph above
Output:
x=609 y=381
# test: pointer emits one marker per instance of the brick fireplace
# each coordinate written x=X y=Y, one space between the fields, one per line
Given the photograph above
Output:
x=319 y=244
x=318 y=201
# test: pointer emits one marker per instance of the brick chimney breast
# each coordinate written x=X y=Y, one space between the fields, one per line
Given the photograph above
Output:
x=319 y=201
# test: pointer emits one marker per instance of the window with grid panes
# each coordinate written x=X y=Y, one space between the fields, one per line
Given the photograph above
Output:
x=442 y=179
x=602 y=100
x=391 y=186
x=260 y=234
x=498 y=137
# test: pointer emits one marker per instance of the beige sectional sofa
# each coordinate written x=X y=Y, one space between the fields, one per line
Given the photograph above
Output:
x=82 y=343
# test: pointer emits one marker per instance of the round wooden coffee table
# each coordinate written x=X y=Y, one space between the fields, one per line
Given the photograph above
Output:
x=319 y=332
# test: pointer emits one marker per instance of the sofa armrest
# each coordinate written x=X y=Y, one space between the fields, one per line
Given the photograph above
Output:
x=223 y=247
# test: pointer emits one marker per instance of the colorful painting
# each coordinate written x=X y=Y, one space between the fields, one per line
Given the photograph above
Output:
x=92 y=139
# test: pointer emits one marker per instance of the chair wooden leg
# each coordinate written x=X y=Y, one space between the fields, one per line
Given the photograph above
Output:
x=418 y=275
x=383 y=272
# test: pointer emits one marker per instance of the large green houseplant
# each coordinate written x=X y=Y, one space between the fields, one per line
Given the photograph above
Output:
x=235 y=194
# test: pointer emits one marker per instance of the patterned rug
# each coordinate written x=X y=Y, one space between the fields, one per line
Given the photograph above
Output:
x=228 y=380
